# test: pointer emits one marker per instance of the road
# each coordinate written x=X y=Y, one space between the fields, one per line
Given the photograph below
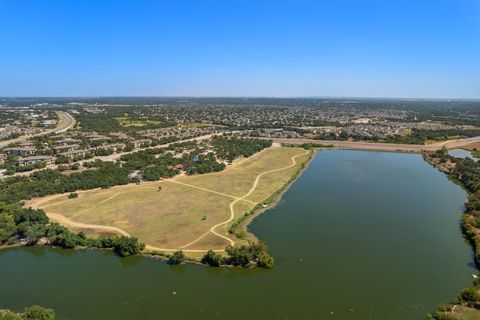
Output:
x=378 y=146
x=112 y=157
x=65 y=122
x=116 y=156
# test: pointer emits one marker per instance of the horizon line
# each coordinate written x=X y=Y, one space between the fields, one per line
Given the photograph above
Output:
x=241 y=97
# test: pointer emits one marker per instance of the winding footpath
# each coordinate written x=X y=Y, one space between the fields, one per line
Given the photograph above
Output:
x=257 y=179
x=74 y=224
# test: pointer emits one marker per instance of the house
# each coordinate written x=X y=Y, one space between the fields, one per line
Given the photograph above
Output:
x=112 y=146
x=67 y=141
x=33 y=160
x=141 y=142
x=179 y=166
x=27 y=145
x=19 y=151
x=65 y=148
x=74 y=153
x=119 y=135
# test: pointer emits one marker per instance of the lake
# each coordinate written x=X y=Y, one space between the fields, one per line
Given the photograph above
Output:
x=360 y=235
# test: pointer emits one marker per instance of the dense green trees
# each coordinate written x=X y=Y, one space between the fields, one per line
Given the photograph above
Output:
x=7 y=227
x=467 y=173
x=17 y=223
x=199 y=164
x=127 y=246
x=48 y=181
x=178 y=257
x=230 y=148
x=212 y=259
x=251 y=255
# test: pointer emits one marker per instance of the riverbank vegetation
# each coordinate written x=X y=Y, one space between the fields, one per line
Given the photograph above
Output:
x=465 y=172
x=204 y=204
x=30 y=313
x=32 y=226
x=190 y=205
x=251 y=255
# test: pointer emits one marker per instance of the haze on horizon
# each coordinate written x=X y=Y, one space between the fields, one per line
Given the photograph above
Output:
x=347 y=48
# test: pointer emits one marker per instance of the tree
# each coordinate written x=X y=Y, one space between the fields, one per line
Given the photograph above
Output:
x=32 y=232
x=265 y=261
x=212 y=259
x=470 y=295
x=73 y=195
x=7 y=227
x=178 y=257
x=38 y=313
x=31 y=215
x=127 y=246
x=9 y=315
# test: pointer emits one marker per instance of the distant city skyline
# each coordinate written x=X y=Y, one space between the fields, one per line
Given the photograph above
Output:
x=309 y=49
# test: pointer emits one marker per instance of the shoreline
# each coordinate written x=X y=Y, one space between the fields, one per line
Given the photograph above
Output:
x=275 y=197
x=468 y=232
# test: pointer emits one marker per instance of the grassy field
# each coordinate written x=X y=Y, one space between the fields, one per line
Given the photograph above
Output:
x=183 y=212
x=138 y=122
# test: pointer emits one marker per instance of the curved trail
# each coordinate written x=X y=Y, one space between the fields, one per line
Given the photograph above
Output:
x=232 y=204
x=74 y=224
x=208 y=190
x=68 y=222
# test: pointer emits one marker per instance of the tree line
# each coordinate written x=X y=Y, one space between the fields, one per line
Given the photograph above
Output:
x=230 y=148
x=30 y=225
x=246 y=256
x=465 y=172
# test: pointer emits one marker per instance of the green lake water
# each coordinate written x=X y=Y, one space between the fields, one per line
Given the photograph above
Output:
x=360 y=235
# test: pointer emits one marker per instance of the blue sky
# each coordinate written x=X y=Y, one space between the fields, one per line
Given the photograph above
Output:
x=408 y=48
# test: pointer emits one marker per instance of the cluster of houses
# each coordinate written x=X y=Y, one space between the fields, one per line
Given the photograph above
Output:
x=178 y=131
x=78 y=145
x=26 y=151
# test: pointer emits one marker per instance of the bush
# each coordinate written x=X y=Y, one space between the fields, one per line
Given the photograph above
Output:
x=470 y=295
x=265 y=261
x=38 y=313
x=127 y=246
x=73 y=195
x=212 y=259
x=178 y=257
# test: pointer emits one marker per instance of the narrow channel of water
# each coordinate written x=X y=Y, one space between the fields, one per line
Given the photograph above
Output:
x=360 y=235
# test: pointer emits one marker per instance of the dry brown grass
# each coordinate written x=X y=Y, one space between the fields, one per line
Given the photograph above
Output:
x=174 y=217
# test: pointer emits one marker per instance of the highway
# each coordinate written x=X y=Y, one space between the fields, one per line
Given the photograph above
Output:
x=65 y=122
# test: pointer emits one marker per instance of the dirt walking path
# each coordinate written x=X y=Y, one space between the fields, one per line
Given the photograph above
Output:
x=232 y=204
x=74 y=224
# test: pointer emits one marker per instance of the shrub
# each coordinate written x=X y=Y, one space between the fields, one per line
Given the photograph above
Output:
x=212 y=259
x=38 y=313
x=127 y=246
x=470 y=295
x=73 y=195
x=265 y=261
x=178 y=257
